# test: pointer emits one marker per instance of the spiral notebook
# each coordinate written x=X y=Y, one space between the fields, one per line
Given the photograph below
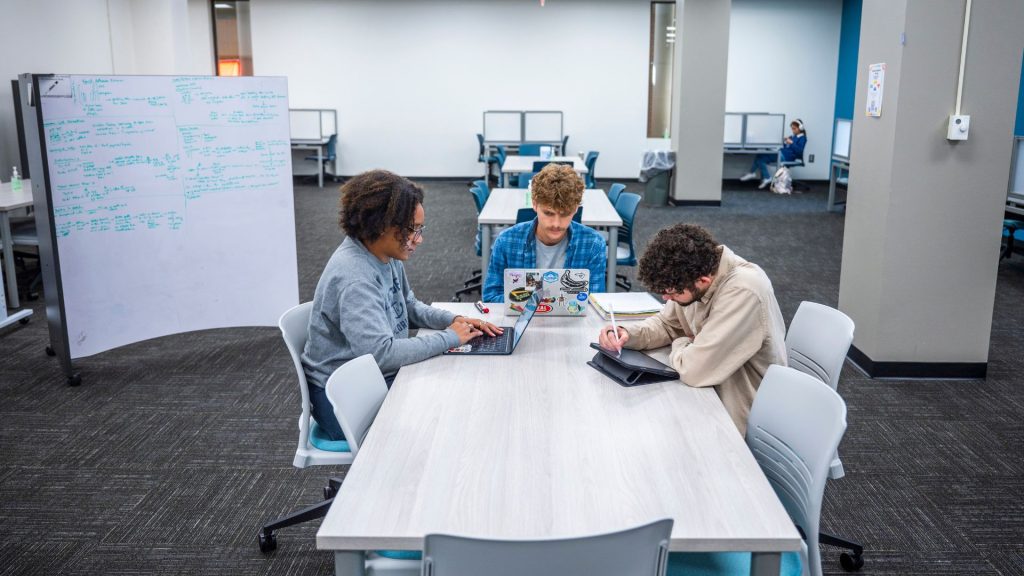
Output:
x=563 y=291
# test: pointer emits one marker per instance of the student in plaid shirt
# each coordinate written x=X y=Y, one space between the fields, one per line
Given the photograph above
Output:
x=552 y=239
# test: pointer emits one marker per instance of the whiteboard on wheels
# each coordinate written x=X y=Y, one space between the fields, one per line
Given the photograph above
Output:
x=172 y=206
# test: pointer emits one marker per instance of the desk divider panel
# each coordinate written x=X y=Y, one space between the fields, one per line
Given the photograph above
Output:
x=503 y=126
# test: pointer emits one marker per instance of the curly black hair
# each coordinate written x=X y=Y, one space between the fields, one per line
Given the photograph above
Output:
x=677 y=257
x=373 y=201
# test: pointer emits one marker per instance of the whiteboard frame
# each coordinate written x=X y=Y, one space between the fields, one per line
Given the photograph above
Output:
x=527 y=114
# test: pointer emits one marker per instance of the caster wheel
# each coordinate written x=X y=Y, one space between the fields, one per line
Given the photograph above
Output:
x=50 y=351
x=268 y=542
x=851 y=563
x=24 y=321
x=75 y=380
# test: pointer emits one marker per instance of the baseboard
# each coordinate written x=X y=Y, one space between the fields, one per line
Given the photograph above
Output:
x=918 y=370
x=676 y=202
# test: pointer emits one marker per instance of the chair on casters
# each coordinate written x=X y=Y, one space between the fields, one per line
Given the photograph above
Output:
x=529 y=149
x=613 y=192
x=1013 y=232
x=625 y=253
x=640 y=551
x=475 y=281
x=483 y=157
x=817 y=342
x=332 y=154
x=591 y=162
x=795 y=425
x=314 y=448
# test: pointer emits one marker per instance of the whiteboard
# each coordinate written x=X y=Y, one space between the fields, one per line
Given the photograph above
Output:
x=841 y=138
x=306 y=125
x=764 y=130
x=172 y=204
x=503 y=126
x=542 y=126
x=733 y=130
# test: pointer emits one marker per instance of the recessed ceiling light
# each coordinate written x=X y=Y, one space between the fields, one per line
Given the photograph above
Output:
x=223 y=6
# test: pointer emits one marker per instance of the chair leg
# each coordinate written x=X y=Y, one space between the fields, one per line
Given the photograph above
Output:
x=849 y=562
x=467 y=290
x=268 y=540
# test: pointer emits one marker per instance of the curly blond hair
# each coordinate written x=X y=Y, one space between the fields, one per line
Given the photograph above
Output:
x=558 y=186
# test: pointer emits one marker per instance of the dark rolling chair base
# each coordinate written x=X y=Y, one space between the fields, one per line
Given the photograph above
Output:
x=267 y=538
x=622 y=282
x=849 y=562
x=457 y=297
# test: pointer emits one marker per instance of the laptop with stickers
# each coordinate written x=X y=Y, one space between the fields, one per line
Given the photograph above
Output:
x=563 y=291
x=504 y=343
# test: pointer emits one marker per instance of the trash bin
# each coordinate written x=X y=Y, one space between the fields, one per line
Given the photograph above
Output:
x=656 y=171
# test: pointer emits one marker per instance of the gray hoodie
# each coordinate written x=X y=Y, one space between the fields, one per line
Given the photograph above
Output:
x=363 y=305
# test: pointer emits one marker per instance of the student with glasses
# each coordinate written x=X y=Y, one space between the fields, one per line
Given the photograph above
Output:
x=720 y=316
x=363 y=302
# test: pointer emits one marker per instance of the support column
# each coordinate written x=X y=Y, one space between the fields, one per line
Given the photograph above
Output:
x=698 y=99
x=924 y=214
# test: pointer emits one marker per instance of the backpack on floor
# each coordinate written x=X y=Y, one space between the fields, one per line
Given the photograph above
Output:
x=782 y=182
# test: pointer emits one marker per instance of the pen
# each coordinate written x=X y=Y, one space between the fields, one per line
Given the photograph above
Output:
x=480 y=306
x=615 y=328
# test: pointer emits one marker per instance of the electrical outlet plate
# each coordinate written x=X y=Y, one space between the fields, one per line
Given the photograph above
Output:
x=959 y=124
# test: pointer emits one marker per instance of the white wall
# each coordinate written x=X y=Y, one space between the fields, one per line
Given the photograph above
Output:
x=783 y=58
x=149 y=37
x=410 y=79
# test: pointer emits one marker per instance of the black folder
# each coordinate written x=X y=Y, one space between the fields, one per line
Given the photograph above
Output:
x=631 y=368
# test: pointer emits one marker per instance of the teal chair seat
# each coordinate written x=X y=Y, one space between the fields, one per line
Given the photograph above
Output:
x=723 y=563
x=401 y=554
x=319 y=439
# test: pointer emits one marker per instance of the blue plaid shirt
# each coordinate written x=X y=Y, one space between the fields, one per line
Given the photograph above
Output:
x=516 y=248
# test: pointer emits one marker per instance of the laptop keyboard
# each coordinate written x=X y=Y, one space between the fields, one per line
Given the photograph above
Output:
x=491 y=343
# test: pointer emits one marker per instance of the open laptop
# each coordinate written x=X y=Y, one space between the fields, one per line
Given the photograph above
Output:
x=505 y=342
x=563 y=291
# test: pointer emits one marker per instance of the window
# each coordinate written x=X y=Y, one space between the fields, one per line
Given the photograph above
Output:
x=232 y=37
x=659 y=95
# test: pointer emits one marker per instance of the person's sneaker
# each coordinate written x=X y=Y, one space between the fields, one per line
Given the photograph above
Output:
x=748 y=177
x=764 y=184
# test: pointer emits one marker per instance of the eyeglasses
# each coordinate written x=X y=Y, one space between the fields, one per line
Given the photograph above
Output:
x=416 y=231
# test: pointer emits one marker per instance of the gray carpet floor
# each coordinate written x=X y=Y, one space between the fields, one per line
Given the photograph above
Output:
x=174 y=451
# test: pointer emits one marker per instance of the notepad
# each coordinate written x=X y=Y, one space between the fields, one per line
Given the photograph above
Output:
x=627 y=305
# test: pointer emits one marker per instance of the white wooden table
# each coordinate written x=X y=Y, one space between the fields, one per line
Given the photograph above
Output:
x=520 y=164
x=503 y=205
x=540 y=445
x=10 y=201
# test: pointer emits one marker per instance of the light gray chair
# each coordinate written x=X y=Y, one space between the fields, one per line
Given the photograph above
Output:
x=356 y=390
x=640 y=551
x=818 y=340
x=795 y=425
x=315 y=448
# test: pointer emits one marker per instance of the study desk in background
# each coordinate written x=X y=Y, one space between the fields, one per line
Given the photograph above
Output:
x=512 y=149
x=503 y=206
x=320 y=146
x=538 y=445
x=9 y=202
x=835 y=177
x=521 y=164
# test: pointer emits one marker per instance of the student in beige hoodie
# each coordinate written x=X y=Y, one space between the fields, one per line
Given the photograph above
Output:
x=720 y=316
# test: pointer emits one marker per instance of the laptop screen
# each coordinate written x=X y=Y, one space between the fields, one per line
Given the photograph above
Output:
x=528 y=311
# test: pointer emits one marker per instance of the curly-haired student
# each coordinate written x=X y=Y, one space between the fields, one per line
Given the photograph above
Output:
x=552 y=239
x=720 y=316
x=363 y=302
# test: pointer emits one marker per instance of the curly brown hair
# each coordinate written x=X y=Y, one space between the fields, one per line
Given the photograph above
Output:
x=373 y=201
x=677 y=257
x=558 y=186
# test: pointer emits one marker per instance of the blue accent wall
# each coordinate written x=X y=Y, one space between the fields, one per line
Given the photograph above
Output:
x=849 y=44
x=1019 y=127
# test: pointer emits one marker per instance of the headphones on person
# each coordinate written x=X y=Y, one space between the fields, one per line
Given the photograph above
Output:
x=799 y=124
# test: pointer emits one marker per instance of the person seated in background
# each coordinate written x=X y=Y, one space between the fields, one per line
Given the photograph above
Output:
x=720 y=317
x=792 y=149
x=552 y=239
x=363 y=302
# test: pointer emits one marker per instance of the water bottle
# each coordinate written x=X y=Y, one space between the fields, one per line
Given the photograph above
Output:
x=15 y=179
